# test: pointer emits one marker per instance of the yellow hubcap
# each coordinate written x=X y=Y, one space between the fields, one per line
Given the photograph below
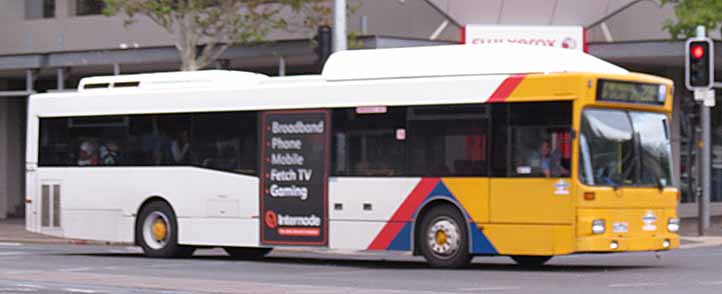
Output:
x=441 y=237
x=160 y=229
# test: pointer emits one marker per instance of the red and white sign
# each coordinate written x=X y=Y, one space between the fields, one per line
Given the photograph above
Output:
x=569 y=37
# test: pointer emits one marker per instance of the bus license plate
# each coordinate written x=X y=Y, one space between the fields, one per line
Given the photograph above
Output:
x=621 y=227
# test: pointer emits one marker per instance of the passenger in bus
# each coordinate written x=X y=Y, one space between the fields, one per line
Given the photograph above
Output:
x=109 y=153
x=179 y=153
x=87 y=155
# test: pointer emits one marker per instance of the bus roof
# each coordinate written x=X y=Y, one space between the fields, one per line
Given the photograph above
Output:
x=456 y=60
x=377 y=64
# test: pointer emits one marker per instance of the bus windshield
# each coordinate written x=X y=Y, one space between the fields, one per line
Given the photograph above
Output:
x=625 y=148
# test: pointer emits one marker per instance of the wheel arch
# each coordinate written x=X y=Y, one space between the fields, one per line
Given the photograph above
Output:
x=425 y=208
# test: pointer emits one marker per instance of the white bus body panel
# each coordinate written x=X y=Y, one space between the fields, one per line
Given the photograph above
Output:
x=354 y=227
x=213 y=208
x=101 y=203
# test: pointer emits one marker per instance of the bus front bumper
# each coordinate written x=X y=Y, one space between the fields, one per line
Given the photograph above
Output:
x=625 y=243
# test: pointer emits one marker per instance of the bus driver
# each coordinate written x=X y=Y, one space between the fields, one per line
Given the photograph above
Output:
x=551 y=161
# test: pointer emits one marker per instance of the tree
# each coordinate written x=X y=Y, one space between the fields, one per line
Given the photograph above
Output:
x=203 y=29
x=692 y=13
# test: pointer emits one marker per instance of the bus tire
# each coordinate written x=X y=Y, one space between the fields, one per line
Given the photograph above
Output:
x=444 y=238
x=247 y=253
x=157 y=231
x=530 y=260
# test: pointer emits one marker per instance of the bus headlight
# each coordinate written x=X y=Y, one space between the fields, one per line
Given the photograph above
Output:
x=673 y=224
x=666 y=243
x=598 y=226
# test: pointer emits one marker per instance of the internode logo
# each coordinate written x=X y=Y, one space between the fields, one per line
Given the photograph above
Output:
x=271 y=219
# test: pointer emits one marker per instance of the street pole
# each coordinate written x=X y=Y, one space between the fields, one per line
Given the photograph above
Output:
x=339 y=25
x=704 y=222
x=704 y=217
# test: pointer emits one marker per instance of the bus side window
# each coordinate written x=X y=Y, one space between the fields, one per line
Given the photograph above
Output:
x=226 y=141
x=175 y=140
x=99 y=141
x=540 y=139
x=448 y=140
x=369 y=144
x=55 y=147
x=499 y=166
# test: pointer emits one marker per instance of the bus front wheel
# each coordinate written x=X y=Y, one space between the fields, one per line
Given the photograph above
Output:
x=444 y=238
x=157 y=232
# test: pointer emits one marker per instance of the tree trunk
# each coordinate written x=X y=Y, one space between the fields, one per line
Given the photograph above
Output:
x=189 y=62
x=190 y=65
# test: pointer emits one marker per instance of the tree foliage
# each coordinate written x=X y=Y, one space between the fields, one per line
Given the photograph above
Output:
x=203 y=29
x=692 y=13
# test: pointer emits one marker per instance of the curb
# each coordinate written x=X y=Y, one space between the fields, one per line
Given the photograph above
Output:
x=703 y=241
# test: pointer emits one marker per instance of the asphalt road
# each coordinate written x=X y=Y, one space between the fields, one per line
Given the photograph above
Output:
x=108 y=269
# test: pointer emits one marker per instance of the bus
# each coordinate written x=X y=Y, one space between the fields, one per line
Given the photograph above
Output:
x=447 y=152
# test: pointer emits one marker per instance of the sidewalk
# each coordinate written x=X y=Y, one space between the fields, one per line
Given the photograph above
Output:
x=688 y=227
x=13 y=231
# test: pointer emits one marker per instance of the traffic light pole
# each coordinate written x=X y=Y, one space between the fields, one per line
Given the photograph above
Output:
x=339 y=25
x=704 y=216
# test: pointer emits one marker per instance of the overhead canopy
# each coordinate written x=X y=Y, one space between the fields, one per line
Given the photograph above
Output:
x=525 y=12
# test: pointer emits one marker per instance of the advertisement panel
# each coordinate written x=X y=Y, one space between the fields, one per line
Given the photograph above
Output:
x=569 y=37
x=294 y=177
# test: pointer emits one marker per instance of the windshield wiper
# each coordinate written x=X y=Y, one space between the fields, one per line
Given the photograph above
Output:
x=657 y=179
x=627 y=171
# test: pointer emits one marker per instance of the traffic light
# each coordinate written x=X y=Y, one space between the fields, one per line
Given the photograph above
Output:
x=699 y=67
x=323 y=45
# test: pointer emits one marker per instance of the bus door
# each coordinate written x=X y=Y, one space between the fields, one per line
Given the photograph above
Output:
x=530 y=199
x=294 y=183
x=538 y=189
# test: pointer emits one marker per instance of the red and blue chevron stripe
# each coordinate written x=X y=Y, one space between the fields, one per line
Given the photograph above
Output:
x=397 y=233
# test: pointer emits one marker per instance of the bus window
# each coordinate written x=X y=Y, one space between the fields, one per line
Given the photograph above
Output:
x=83 y=141
x=174 y=140
x=98 y=140
x=448 y=140
x=541 y=151
x=540 y=139
x=368 y=144
x=499 y=140
x=226 y=141
x=142 y=148
x=55 y=147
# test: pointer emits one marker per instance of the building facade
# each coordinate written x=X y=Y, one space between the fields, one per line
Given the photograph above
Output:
x=49 y=45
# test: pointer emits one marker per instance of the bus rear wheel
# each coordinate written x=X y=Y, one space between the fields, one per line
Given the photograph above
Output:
x=530 y=260
x=443 y=238
x=157 y=232
x=247 y=253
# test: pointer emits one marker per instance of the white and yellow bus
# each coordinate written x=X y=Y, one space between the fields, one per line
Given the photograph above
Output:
x=448 y=152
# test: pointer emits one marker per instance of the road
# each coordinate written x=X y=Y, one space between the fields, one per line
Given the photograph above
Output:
x=113 y=269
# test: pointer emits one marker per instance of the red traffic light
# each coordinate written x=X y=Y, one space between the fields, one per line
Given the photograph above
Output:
x=699 y=63
x=697 y=51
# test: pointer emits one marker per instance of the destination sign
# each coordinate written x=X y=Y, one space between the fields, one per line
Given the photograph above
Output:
x=631 y=92
x=294 y=177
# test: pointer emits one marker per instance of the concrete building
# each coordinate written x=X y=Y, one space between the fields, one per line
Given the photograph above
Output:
x=48 y=45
